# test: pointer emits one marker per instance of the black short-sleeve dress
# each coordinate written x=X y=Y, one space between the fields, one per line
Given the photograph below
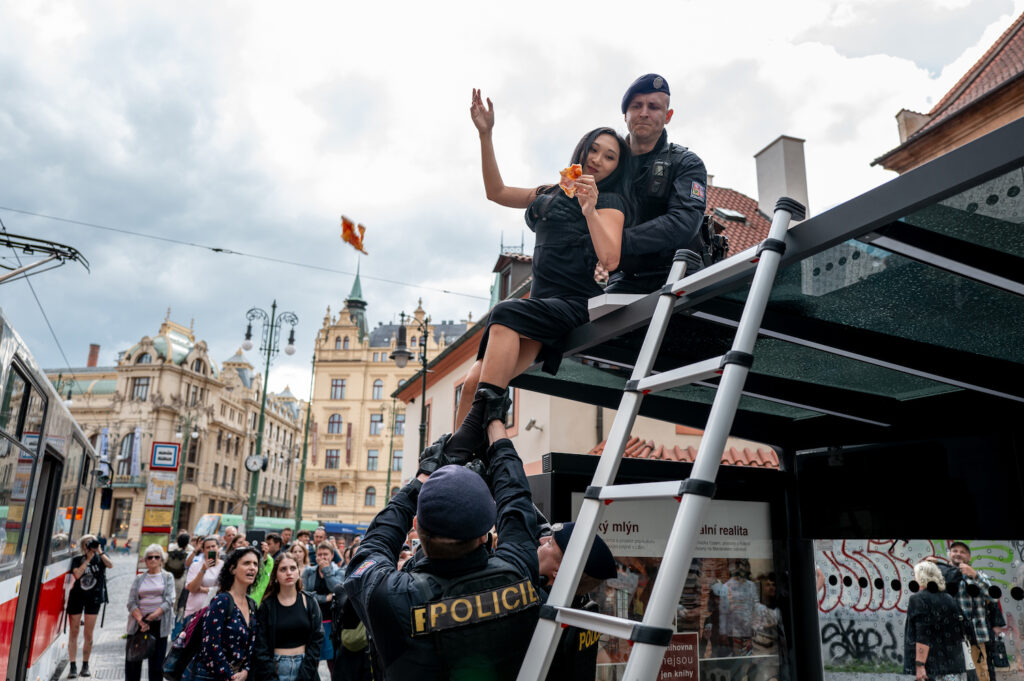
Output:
x=563 y=280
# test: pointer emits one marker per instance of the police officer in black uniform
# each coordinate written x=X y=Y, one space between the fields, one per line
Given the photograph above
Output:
x=576 y=655
x=460 y=610
x=670 y=190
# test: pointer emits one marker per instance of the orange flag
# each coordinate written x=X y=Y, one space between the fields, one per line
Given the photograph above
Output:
x=350 y=236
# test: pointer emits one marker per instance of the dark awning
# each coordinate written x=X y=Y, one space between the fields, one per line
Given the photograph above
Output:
x=895 y=312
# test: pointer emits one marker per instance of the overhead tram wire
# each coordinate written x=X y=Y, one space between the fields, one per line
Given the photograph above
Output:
x=28 y=280
x=228 y=251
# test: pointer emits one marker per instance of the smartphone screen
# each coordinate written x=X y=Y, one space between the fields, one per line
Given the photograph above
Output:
x=212 y=555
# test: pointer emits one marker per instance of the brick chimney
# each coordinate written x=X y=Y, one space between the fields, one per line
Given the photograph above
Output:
x=781 y=172
x=94 y=355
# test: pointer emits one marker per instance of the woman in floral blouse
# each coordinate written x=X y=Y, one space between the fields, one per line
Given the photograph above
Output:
x=229 y=625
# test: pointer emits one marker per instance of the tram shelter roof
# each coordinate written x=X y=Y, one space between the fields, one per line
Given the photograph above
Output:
x=894 y=316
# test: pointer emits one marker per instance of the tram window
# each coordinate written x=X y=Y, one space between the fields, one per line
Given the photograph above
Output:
x=15 y=480
x=33 y=420
x=69 y=515
x=14 y=395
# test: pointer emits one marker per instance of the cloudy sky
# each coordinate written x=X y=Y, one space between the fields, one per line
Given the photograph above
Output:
x=252 y=126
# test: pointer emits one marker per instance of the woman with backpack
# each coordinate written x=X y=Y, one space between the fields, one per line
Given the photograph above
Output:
x=229 y=623
x=150 y=610
x=290 y=630
x=324 y=580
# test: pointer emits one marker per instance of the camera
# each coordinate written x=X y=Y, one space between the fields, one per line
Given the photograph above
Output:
x=92 y=544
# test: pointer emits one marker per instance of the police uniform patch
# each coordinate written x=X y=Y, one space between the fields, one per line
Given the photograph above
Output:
x=658 y=83
x=697 y=190
x=484 y=606
x=364 y=567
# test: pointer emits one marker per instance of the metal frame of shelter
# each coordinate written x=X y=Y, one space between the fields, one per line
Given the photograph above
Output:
x=919 y=368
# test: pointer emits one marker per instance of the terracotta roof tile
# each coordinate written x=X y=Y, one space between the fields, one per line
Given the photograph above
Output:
x=637 y=448
x=742 y=235
x=1001 y=63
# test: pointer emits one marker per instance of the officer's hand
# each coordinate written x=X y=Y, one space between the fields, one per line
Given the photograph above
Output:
x=483 y=117
x=433 y=457
x=586 y=194
x=480 y=468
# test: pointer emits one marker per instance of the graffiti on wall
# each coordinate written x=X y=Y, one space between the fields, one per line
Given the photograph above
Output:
x=862 y=608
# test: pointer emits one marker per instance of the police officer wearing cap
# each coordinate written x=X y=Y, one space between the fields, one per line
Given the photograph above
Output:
x=460 y=610
x=576 y=655
x=670 y=190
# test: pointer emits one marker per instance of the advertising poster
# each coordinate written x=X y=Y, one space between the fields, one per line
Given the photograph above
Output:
x=727 y=622
x=160 y=490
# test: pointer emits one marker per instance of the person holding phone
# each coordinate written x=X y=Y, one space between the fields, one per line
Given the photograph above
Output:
x=201 y=580
x=88 y=592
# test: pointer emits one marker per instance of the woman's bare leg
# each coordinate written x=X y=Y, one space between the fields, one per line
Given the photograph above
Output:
x=74 y=621
x=508 y=354
x=90 y=624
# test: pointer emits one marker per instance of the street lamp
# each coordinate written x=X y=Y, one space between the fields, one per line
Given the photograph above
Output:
x=402 y=355
x=182 y=429
x=268 y=346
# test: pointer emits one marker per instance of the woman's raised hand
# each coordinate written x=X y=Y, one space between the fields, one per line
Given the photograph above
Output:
x=586 y=193
x=483 y=117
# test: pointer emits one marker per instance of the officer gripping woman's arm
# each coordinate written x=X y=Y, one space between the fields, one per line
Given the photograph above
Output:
x=460 y=609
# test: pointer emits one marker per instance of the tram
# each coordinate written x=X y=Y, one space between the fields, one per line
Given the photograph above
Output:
x=47 y=481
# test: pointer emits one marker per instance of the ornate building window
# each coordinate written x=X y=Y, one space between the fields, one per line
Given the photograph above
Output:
x=329 y=497
x=394 y=491
x=337 y=388
x=378 y=390
x=199 y=367
x=371 y=497
x=372 y=456
x=396 y=460
x=144 y=358
x=399 y=424
x=344 y=343
x=376 y=423
x=140 y=388
x=337 y=343
x=334 y=424
x=331 y=458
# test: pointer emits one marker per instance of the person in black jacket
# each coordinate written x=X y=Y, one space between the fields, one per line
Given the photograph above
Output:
x=576 y=655
x=460 y=611
x=289 y=637
x=670 y=189
x=934 y=635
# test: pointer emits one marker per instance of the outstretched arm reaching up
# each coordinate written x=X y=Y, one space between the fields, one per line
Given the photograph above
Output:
x=483 y=119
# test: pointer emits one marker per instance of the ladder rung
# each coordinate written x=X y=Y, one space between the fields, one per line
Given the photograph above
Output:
x=740 y=263
x=671 y=489
x=607 y=624
x=690 y=373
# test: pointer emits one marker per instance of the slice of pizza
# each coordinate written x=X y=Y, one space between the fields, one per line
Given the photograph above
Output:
x=569 y=177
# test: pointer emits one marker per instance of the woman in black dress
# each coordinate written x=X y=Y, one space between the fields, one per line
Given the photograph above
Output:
x=933 y=641
x=573 y=236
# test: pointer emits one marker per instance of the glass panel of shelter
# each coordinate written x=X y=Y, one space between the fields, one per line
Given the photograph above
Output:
x=729 y=622
x=866 y=287
x=867 y=588
x=990 y=214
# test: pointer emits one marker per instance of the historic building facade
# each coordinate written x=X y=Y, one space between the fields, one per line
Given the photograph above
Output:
x=167 y=388
x=358 y=437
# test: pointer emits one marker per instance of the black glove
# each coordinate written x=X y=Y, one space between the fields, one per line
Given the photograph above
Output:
x=554 y=208
x=433 y=456
x=693 y=261
x=480 y=468
x=495 y=405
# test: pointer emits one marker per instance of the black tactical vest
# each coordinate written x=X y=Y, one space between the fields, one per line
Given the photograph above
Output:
x=474 y=627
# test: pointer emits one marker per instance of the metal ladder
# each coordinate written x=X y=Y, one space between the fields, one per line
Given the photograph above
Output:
x=651 y=638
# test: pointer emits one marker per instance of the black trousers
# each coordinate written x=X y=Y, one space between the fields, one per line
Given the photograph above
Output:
x=133 y=670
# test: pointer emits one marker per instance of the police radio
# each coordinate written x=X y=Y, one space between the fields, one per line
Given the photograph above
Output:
x=659 y=179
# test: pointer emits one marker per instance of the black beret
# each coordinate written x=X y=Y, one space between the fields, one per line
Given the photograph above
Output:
x=600 y=563
x=650 y=82
x=455 y=503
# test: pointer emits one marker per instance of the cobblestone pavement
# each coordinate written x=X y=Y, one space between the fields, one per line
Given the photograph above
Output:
x=107 y=659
